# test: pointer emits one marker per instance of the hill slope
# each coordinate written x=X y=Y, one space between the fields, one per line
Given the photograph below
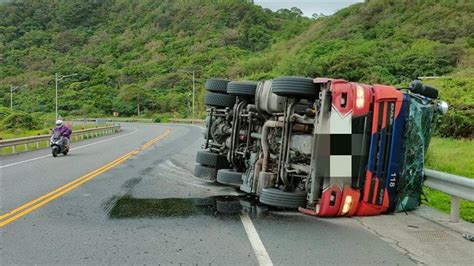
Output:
x=130 y=53
x=377 y=41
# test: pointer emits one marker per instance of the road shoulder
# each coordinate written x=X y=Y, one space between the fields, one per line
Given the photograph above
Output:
x=425 y=235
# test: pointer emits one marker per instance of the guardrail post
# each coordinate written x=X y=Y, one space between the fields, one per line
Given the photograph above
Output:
x=455 y=204
x=35 y=142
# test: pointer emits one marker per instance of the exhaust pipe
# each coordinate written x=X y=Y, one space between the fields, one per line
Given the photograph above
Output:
x=266 y=150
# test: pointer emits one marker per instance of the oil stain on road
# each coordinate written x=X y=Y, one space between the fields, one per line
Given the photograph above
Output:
x=128 y=207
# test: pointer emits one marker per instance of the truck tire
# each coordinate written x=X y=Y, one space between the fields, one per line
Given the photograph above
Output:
x=418 y=87
x=298 y=87
x=211 y=159
x=219 y=100
x=242 y=88
x=205 y=172
x=430 y=92
x=282 y=199
x=217 y=85
x=229 y=177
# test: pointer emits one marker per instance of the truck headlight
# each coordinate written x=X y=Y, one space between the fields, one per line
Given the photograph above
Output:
x=347 y=204
x=360 y=99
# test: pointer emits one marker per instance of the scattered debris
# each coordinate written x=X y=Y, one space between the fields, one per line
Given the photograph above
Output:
x=468 y=237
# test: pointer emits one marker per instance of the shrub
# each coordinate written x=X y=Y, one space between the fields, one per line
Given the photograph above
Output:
x=20 y=121
x=162 y=118
x=44 y=119
x=4 y=112
x=458 y=122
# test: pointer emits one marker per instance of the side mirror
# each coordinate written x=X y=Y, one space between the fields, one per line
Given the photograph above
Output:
x=442 y=107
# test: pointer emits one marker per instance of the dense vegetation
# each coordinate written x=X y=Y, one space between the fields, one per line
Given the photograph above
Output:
x=377 y=41
x=440 y=157
x=128 y=53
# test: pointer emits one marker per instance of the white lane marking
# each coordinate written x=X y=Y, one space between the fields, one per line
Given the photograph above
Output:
x=105 y=140
x=80 y=147
x=257 y=245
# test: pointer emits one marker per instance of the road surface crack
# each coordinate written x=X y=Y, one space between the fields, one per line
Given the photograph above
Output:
x=391 y=241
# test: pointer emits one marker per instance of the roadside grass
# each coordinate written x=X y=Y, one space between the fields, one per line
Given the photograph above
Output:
x=6 y=134
x=452 y=156
x=41 y=144
x=32 y=146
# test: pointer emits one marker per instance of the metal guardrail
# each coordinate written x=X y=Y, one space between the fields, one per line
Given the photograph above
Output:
x=141 y=120
x=458 y=187
x=99 y=121
x=187 y=121
x=76 y=135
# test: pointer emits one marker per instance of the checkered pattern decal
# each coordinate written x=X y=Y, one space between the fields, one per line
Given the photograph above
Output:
x=341 y=147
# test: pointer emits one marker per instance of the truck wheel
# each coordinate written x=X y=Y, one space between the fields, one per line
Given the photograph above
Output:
x=418 y=87
x=217 y=85
x=229 y=177
x=205 y=172
x=242 y=88
x=282 y=199
x=211 y=159
x=219 y=100
x=430 y=92
x=295 y=87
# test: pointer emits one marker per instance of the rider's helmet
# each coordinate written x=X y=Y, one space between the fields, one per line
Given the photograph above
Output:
x=59 y=122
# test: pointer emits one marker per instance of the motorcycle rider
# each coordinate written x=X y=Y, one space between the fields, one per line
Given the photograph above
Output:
x=63 y=130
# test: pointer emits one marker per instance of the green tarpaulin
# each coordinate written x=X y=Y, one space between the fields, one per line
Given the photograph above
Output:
x=419 y=128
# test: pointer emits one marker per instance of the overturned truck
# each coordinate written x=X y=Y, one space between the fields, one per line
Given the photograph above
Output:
x=327 y=147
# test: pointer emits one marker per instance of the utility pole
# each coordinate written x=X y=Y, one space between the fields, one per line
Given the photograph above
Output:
x=138 y=105
x=194 y=92
x=56 y=82
x=12 y=89
x=194 y=88
x=11 y=97
x=58 y=78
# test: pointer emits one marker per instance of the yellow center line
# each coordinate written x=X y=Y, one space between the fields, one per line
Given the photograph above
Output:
x=43 y=200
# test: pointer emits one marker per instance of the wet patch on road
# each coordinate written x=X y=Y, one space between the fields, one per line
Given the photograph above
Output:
x=128 y=207
x=129 y=184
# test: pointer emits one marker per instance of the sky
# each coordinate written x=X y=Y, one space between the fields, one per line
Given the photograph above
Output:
x=309 y=7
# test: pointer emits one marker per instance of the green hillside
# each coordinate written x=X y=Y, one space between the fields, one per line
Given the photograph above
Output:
x=378 y=41
x=128 y=51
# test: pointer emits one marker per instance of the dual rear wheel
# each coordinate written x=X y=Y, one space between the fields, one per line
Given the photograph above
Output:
x=208 y=163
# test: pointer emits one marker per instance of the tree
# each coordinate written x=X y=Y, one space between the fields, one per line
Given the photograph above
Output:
x=296 y=11
x=134 y=94
x=318 y=15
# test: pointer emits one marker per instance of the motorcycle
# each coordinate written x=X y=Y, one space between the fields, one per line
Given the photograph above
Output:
x=58 y=144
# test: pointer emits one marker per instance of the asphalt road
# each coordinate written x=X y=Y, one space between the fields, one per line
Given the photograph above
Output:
x=149 y=209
